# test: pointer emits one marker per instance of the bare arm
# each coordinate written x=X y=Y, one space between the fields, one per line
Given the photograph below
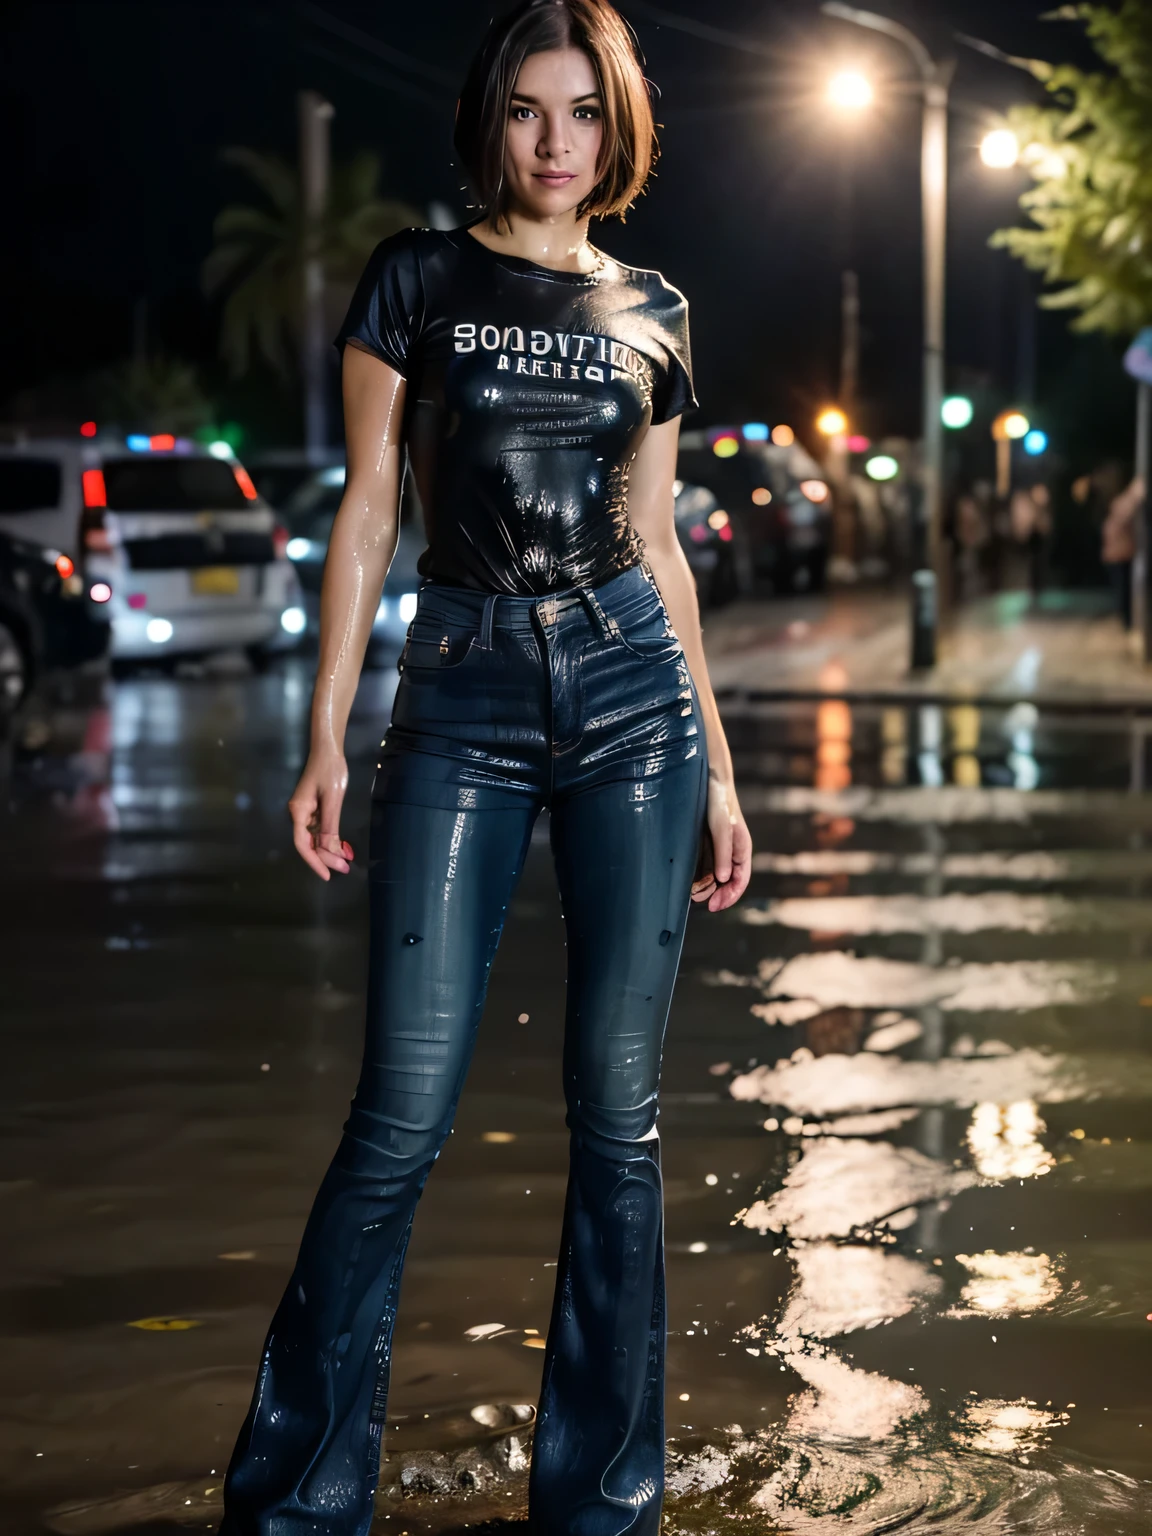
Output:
x=360 y=551
x=650 y=506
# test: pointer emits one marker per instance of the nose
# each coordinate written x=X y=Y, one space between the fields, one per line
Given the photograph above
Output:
x=554 y=142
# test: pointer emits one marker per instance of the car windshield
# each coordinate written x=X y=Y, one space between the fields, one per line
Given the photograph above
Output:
x=172 y=485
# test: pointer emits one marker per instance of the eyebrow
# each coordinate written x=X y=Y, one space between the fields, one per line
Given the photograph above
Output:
x=534 y=101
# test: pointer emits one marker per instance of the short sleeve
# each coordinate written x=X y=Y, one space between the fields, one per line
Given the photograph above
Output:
x=386 y=314
x=673 y=393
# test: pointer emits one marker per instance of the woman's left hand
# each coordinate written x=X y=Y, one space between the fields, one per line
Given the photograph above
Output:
x=724 y=884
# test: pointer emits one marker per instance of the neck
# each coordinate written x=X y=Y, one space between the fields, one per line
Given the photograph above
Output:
x=561 y=243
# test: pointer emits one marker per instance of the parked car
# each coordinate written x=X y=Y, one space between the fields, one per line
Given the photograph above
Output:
x=173 y=538
x=778 y=503
x=278 y=473
x=47 y=620
x=705 y=533
x=309 y=514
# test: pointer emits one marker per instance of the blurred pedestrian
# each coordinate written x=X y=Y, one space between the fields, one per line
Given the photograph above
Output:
x=1118 y=545
x=555 y=660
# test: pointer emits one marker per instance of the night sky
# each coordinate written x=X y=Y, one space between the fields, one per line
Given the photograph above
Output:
x=115 y=116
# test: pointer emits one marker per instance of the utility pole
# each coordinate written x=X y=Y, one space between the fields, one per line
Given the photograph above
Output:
x=315 y=118
x=844 y=540
x=935 y=79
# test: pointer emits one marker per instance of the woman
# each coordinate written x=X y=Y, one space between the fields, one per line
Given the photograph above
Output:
x=536 y=385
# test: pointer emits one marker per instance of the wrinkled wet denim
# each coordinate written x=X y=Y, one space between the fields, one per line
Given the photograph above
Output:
x=580 y=702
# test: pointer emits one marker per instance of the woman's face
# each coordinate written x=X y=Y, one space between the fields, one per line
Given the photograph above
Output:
x=555 y=128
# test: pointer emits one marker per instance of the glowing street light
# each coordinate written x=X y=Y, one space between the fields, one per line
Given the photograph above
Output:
x=832 y=422
x=1000 y=149
x=1015 y=425
x=956 y=411
x=851 y=90
x=882 y=466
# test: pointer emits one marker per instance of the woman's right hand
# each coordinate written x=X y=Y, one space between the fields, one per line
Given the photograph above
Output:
x=315 y=810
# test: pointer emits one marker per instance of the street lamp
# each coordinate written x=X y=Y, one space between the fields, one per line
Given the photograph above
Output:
x=1000 y=149
x=850 y=89
x=956 y=411
x=935 y=77
x=832 y=422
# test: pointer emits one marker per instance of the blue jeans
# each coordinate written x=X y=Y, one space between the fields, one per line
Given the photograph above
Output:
x=581 y=702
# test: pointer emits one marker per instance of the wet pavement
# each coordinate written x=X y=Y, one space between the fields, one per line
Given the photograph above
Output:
x=906 y=1126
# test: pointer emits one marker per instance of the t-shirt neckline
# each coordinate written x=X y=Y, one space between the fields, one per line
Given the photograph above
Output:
x=529 y=268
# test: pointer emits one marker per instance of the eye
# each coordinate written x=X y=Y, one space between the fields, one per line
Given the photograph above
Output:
x=522 y=114
x=588 y=114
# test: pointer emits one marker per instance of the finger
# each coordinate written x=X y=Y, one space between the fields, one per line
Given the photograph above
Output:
x=328 y=842
x=721 y=828
x=703 y=889
x=301 y=839
x=730 y=893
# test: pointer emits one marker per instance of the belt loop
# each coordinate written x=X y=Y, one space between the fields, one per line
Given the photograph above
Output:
x=607 y=625
x=486 y=619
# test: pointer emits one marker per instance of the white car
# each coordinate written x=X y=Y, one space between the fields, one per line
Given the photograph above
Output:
x=171 y=536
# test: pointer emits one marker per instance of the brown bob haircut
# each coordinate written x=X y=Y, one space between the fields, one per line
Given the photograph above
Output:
x=595 y=27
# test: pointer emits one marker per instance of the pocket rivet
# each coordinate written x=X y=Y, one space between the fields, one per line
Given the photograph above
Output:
x=444 y=645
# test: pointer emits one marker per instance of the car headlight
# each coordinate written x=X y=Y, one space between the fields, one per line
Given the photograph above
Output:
x=158 y=631
x=407 y=607
x=293 y=621
x=298 y=549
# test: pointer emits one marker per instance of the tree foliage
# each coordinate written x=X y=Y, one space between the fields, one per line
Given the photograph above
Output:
x=260 y=250
x=1089 y=153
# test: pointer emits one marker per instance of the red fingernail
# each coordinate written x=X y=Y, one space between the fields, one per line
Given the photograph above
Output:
x=347 y=850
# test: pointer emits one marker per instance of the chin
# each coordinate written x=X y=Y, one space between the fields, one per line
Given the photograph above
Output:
x=555 y=204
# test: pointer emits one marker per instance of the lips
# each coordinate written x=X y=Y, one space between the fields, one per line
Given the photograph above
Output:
x=554 y=178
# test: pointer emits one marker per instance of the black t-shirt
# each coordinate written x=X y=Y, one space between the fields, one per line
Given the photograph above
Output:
x=529 y=392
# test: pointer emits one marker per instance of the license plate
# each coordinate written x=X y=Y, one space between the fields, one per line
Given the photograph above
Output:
x=221 y=580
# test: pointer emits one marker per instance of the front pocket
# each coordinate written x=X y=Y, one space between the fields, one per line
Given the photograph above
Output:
x=437 y=647
x=651 y=636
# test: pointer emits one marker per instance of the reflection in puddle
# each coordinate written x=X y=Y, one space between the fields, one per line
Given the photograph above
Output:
x=843 y=1185
x=1004 y=1140
x=1004 y=1284
x=955 y=913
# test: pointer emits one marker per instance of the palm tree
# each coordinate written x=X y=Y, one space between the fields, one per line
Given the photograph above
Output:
x=258 y=257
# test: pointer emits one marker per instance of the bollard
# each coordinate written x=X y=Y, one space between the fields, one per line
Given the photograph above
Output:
x=923 y=620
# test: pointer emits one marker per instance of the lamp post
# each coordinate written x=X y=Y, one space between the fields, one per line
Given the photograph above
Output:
x=315 y=117
x=935 y=76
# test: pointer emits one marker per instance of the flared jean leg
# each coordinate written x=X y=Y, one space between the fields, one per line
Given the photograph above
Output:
x=307 y=1460
x=625 y=858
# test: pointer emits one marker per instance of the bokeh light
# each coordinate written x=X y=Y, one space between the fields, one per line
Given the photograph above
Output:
x=725 y=447
x=956 y=411
x=850 y=89
x=1000 y=149
x=832 y=421
x=783 y=436
x=882 y=466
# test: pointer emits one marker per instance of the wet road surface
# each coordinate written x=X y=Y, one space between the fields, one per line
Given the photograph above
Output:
x=905 y=1124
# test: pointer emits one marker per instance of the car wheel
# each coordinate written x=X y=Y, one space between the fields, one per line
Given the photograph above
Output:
x=15 y=672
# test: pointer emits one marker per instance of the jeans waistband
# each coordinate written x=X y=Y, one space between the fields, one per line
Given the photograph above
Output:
x=604 y=604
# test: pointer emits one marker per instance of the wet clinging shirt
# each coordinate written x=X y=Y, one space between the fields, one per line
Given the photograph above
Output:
x=529 y=392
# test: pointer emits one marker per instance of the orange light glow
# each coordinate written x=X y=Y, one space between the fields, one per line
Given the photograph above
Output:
x=815 y=490
x=718 y=518
x=761 y=496
x=94 y=493
x=87 y=429
x=244 y=481
x=783 y=436
x=833 y=745
x=162 y=442
x=832 y=422
x=64 y=566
